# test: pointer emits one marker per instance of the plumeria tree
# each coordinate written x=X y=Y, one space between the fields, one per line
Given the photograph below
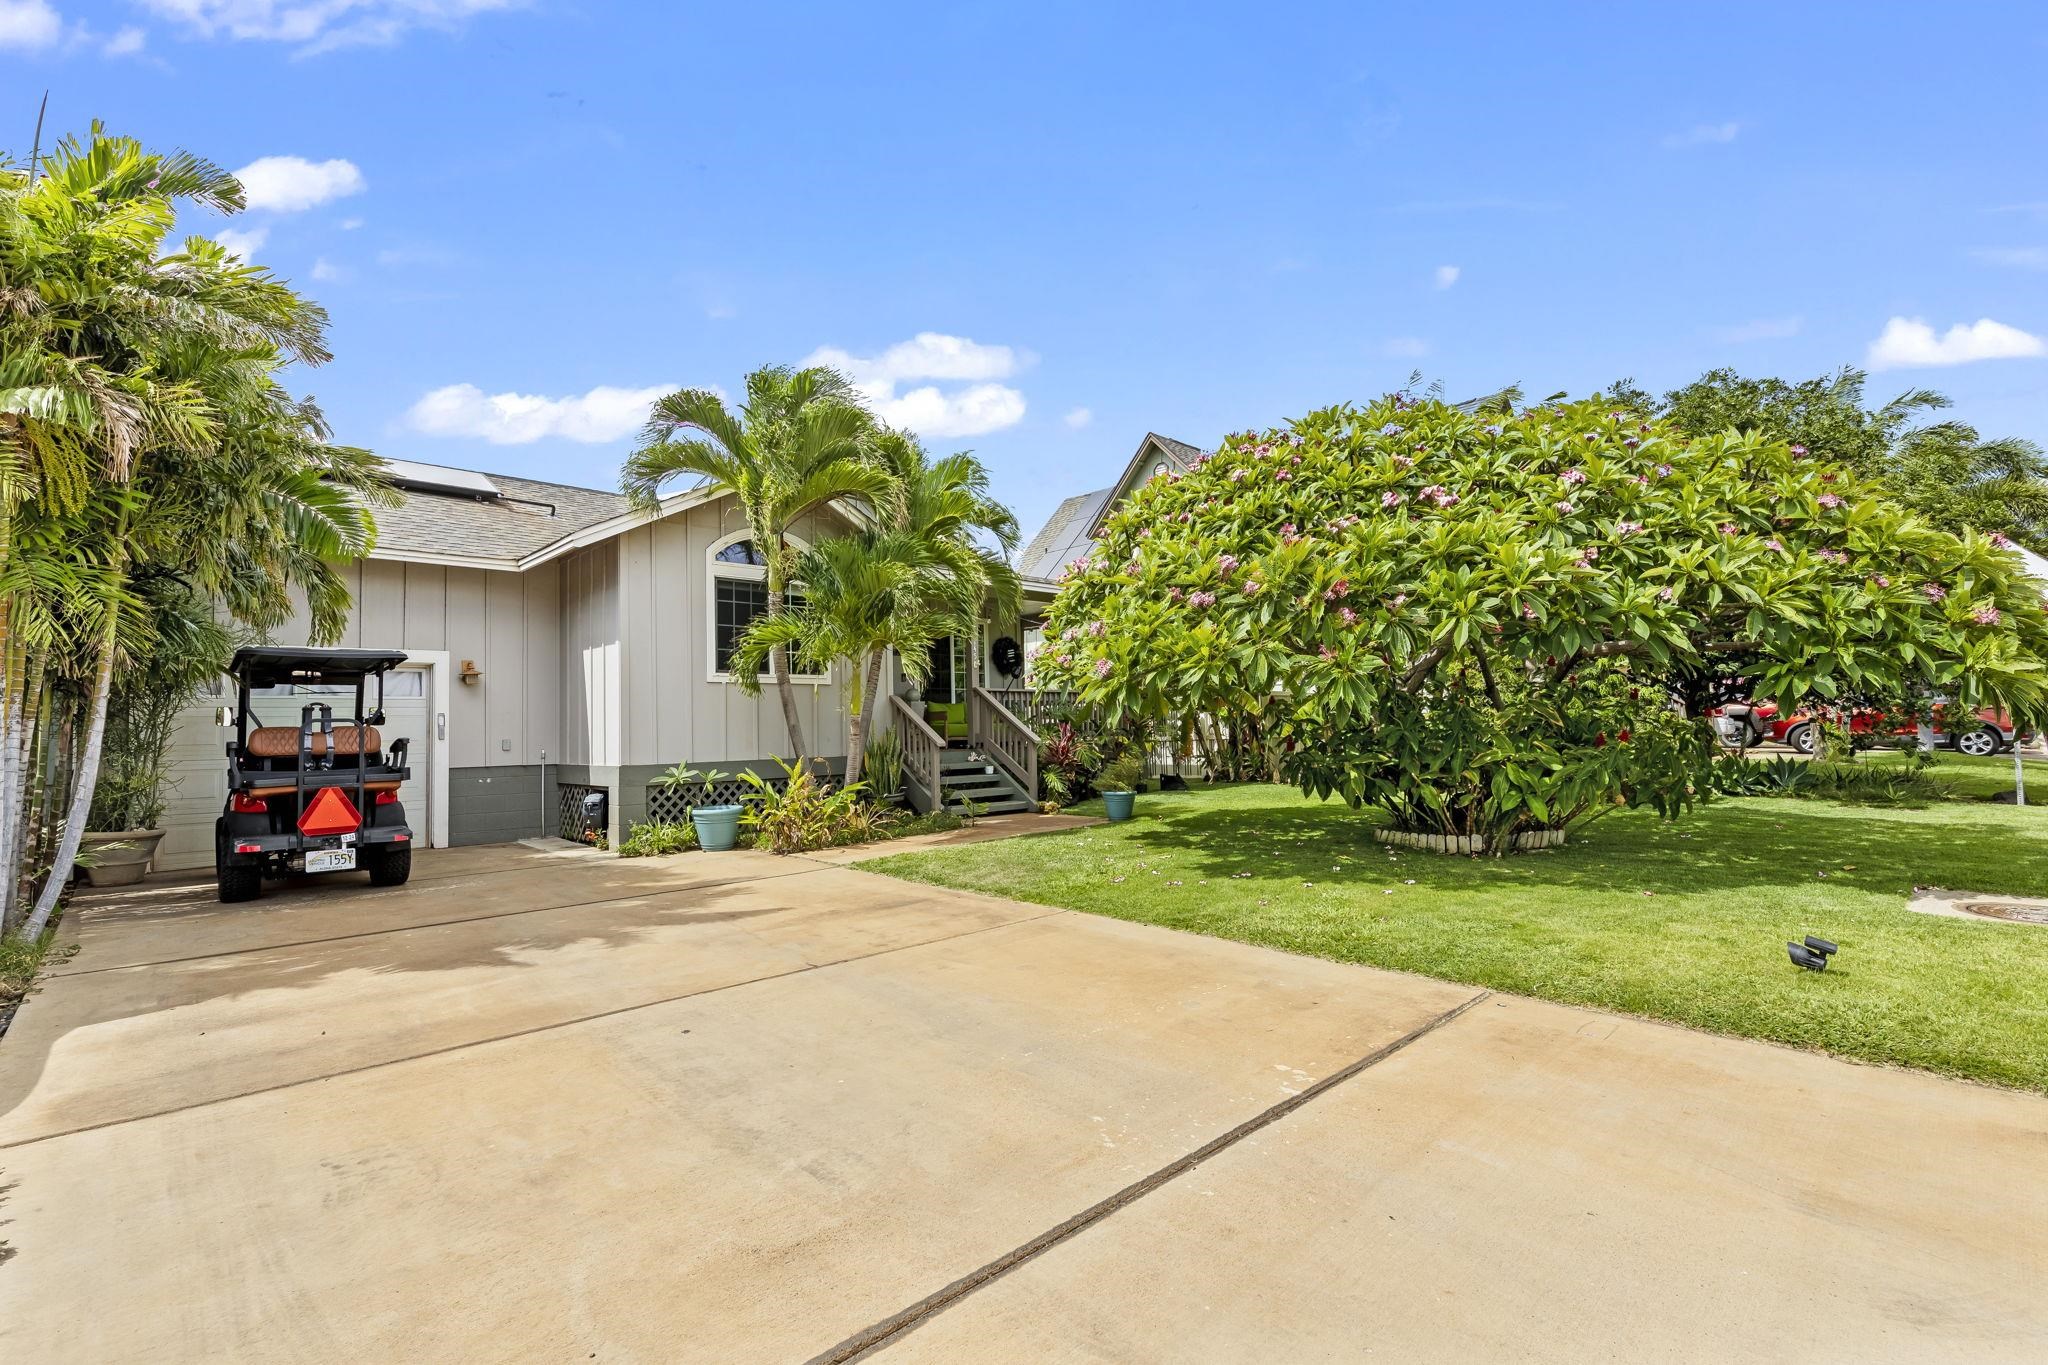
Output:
x=1488 y=624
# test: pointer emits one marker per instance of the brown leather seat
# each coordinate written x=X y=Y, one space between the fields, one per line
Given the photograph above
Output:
x=282 y=741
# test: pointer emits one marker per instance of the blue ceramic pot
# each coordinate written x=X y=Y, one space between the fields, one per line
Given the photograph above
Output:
x=1117 y=805
x=718 y=827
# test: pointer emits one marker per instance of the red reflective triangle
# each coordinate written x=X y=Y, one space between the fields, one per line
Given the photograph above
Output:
x=330 y=812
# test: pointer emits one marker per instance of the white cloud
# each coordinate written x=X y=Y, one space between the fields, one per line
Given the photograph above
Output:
x=1908 y=343
x=126 y=42
x=289 y=184
x=1762 y=329
x=327 y=271
x=351 y=224
x=29 y=24
x=2021 y=257
x=1703 y=135
x=1405 y=348
x=321 y=25
x=1078 y=418
x=1447 y=275
x=603 y=414
x=241 y=243
x=981 y=407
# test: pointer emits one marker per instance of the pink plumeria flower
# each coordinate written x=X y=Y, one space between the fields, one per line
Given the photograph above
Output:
x=1565 y=509
x=1830 y=500
x=1935 y=592
x=1252 y=586
x=1174 y=594
x=1225 y=563
x=1098 y=628
x=1103 y=668
x=1665 y=596
x=1347 y=616
x=1237 y=476
x=1986 y=615
x=1392 y=498
x=1324 y=650
x=1283 y=476
x=2001 y=540
x=1629 y=528
x=1574 y=476
x=1798 y=450
x=1202 y=599
x=1337 y=590
x=1528 y=612
x=1880 y=580
x=1288 y=529
x=1773 y=544
x=1663 y=471
x=1405 y=461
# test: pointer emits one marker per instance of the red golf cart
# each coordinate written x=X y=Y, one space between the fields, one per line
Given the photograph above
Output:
x=317 y=797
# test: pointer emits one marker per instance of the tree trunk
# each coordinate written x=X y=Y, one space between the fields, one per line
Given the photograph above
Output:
x=778 y=663
x=88 y=778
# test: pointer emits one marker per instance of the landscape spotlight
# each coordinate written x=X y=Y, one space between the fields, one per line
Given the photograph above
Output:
x=1812 y=954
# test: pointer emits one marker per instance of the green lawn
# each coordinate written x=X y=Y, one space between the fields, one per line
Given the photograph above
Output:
x=1977 y=779
x=1683 y=922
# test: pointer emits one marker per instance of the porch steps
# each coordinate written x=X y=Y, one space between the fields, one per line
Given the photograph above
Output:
x=970 y=776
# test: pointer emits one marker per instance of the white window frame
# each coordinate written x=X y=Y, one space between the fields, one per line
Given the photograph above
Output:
x=716 y=569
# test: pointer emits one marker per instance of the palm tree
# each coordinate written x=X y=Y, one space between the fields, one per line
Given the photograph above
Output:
x=794 y=446
x=919 y=573
x=142 y=432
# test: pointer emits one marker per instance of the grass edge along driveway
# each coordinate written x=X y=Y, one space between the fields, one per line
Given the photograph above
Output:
x=1682 y=922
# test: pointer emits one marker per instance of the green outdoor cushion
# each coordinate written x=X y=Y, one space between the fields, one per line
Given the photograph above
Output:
x=949 y=718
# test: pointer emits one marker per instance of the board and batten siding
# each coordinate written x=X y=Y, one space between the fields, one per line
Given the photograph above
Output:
x=670 y=708
x=508 y=624
x=589 y=663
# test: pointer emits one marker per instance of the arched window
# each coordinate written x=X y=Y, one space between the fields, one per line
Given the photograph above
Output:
x=738 y=594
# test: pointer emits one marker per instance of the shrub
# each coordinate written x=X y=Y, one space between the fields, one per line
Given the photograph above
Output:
x=884 y=765
x=1486 y=624
x=1121 y=775
x=650 y=840
x=803 y=814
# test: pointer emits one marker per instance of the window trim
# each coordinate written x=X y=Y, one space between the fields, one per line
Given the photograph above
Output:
x=716 y=569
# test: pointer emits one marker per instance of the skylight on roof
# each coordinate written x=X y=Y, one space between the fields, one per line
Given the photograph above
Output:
x=434 y=478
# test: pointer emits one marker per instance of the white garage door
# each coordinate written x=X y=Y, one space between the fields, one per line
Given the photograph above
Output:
x=199 y=763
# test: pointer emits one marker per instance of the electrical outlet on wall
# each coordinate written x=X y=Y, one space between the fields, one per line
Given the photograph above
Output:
x=504 y=746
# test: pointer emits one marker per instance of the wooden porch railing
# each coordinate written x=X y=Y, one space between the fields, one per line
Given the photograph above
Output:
x=922 y=746
x=995 y=730
x=1031 y=706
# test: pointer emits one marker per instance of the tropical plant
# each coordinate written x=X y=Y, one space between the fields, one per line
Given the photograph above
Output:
x=1121 y=774
x=646 y=840
x=142 y=434
x=883 y=769
x=915 y=575
x=803 y=814
x=187 y=647
x=1489 y=626
x=683 y=778
x=793 y=447
x=1944 y=470
x=1068 y=760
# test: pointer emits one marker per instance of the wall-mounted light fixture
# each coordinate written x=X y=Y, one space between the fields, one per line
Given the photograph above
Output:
x=470 y=672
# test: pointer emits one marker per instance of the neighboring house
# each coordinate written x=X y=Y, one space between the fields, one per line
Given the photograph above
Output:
x=562 y=641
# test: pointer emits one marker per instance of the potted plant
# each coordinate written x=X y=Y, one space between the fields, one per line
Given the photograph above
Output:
x=123 y=827
x=717 y=825
x=1118 y=783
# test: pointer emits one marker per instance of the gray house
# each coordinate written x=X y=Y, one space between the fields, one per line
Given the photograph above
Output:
x=562 y=642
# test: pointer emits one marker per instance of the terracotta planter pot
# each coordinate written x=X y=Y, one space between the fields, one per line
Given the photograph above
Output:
x=119 y=858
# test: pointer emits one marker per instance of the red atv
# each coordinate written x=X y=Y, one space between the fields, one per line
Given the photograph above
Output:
x=1979 y=734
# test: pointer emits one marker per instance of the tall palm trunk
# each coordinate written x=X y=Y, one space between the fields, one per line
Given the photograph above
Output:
x=88 y=773
x=867 y=677
x=778 y=663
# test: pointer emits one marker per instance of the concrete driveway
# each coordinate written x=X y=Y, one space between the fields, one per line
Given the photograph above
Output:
x=554 y=1106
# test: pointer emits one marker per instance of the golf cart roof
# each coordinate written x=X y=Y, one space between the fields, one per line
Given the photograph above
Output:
x=268 y=665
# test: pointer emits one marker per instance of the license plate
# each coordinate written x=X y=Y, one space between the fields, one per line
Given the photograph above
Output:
x=331 y=860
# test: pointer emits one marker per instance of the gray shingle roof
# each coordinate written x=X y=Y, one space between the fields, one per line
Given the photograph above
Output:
x=1069 y=533
x=1065 y=537
x=530 y=516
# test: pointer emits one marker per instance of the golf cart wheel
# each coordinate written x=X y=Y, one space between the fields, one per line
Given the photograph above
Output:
x=233 y=881
x=1982 y=742
x=1802 y=738
x=389 y=864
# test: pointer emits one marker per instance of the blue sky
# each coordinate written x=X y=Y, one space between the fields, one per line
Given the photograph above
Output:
x=1040 y=230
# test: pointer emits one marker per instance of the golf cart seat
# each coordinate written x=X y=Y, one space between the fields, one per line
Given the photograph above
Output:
x=282 y=741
